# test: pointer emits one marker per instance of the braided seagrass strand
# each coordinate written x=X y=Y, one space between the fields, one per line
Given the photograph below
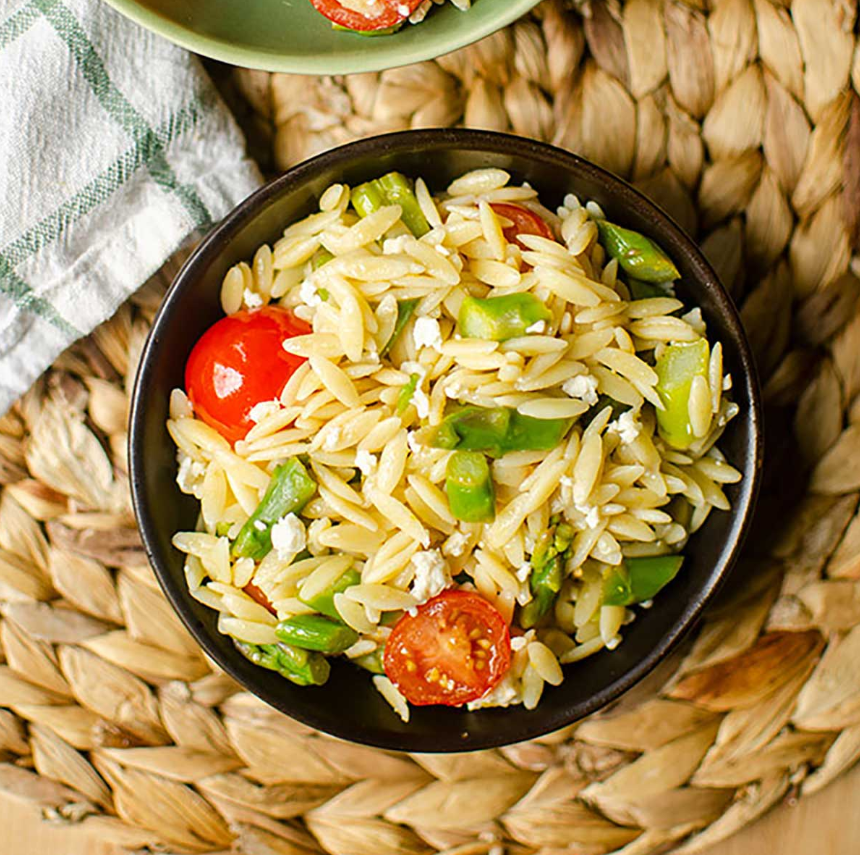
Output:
x=743 y=120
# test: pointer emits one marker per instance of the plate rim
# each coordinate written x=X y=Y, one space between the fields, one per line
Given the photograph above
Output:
x=353 y=63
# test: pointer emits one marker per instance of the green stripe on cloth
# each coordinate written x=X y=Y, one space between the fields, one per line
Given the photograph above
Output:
x=25 y=298
x=18 y=24
x=120 y=109
x=103 y=186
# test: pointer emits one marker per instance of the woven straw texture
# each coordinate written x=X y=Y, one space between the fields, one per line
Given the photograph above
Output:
x=743 y=120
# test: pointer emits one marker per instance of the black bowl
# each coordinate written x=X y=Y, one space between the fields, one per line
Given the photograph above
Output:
x=348 y=706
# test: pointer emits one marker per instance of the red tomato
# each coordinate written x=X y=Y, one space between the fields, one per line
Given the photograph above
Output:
x=256 y=594
x=381 y=14
x=239 y=362
x=454 y=650
x=524 y=222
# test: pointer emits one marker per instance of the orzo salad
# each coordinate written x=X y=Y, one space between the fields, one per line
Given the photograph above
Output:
x=457 y=440
x=378 y=17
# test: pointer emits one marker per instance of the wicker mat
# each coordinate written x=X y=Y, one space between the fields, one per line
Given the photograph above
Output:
x=741 y=120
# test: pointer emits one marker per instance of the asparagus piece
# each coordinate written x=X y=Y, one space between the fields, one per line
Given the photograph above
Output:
x=405 y=308
x=290 y=489
x=302 y=667
x=500 y=318
x=314 y=632
x=637 y=256
x=469 y=487
x=324 y=601
x=639 y=579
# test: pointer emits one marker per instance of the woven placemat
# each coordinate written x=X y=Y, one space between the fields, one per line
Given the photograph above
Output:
x=742 y=121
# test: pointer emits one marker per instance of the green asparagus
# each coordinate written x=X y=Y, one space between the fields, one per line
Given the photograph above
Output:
x=405 y=308
x=548 y=562
x=639 y=579
x=290 y=489
x=496 y=431
x=500 y=318
x=324 y=601
x=314 y=632
x=469 y=487
x=676 y=368
x=637 y=256
x=302 y=667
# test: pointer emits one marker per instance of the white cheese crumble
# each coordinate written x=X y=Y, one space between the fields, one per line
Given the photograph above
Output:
x=289 y=535
x=251 y=299
x=396 y=245
x=503 y=694
x=190 y=475
x=308 y=293
x=414 y=446
x=365 y=461
x=452 y=390
x=456 y=544
x=259 y=525
x=536 y=327
x=421 y=403
x=332 y=439
x=427 y=333
x=432 y=575
x=524 y=571
x=626 y=426
x=582 y=386
x=262 y=409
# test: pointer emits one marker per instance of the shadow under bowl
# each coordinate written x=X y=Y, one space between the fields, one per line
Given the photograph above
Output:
x=348 y=706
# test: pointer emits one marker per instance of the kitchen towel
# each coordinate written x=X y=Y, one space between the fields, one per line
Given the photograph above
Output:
x=114 y=148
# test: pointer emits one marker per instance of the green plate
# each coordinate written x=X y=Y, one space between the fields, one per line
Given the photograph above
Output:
x=290 y=35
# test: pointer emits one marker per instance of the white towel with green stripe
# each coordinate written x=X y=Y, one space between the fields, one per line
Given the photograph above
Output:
x=114 y=148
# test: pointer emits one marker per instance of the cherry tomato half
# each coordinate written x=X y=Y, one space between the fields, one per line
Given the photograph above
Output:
x=380 y=14
x=524 y=222
x=454 y=650
x=239 y=362
x=258 y=596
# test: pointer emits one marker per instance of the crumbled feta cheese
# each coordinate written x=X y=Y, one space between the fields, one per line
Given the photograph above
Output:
x=536 y=327
x=421 y=403
x=262 y=409
x=308 y=293
x=252 y=299
x=626 y=426
x=365 y=461
x=566 y=482
x=289 y=535
x=456 y=544
x=427 y=333
x=432 y=575
x=582 y=386
x=332 y=439
x=409 y=367
x=414 y=446
x=190 y=475
x=518 y=642
x=259 y=525
x=503 y=694
x=396 y=245
x=524 y=571
x=590 y=512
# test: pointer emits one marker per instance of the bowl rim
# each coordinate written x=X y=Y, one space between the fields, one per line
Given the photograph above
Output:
x=388 y=55
x=474 y=140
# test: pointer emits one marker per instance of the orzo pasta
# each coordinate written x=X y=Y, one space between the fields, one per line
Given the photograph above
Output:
x=455 y=439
